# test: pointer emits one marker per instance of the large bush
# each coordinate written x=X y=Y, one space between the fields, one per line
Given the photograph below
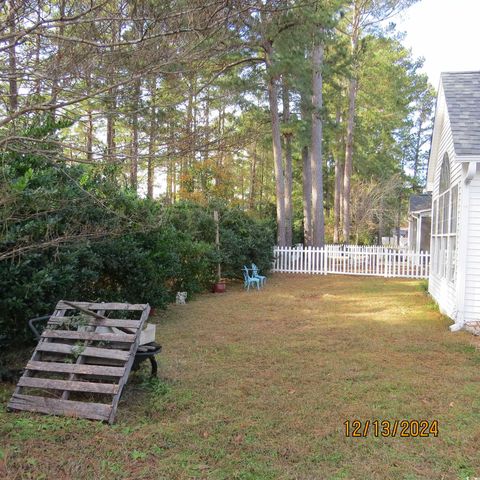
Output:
x=243 y=238
x=72 y=232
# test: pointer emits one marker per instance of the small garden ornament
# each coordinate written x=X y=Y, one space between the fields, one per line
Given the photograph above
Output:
x=181 y=298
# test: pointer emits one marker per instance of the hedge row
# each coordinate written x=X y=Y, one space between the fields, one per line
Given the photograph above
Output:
x=123 y=248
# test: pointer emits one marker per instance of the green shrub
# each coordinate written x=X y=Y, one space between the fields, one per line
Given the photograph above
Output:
x=77 y=234
x=243 y=238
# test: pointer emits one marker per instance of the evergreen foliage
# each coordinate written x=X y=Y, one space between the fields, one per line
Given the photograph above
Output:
x=287 y=117
x=72 y=232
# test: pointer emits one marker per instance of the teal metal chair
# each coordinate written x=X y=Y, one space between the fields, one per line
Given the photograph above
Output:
x=256 y=274
x=249 y=280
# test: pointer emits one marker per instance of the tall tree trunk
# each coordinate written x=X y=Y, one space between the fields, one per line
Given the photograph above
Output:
x=89 y=128
x=195 y=139
x=111 y=133
x=318 y=218
x=277 y=149
x=56 y=74
x=347 y=177
x=253 y=178
x=338 y=186
x=170 y=174
x=38 y=48
x=151 y=144
x=307 y=197
x=89 y=135
x=418 y=145
x=169 y=191
x=242 y=184
x=262 y=178
x=151 y=162
x=206 y=145
x=137 y=91
x=186 y=159
x=381 y=221
x=352 y=98
x=112 y=103
x=220 y=151
x=305 y=111
x=288 y=166
x=134 y=149
x=337 y=202
x=171 y=152
x=12 y=59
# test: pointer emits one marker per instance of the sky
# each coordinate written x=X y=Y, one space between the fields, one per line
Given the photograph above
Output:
x=445 y=32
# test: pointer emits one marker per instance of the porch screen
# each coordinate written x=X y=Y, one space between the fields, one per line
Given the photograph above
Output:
x=444 y=228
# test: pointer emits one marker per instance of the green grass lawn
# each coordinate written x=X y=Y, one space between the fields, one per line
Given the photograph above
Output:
x=258 y=385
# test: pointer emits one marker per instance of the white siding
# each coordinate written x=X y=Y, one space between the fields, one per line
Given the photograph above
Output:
x=442 y=290
x=472 y=268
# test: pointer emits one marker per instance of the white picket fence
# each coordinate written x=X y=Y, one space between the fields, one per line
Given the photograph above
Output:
x=352 y=260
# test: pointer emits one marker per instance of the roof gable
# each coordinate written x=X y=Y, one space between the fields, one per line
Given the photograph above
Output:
x=441 y=117
x=462 y=96
x=458 y=109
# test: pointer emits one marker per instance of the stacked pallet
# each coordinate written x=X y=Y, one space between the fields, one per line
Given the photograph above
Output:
x=77 y=369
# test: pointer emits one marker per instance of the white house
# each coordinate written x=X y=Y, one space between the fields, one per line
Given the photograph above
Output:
x=454 y=181
x=419 y=222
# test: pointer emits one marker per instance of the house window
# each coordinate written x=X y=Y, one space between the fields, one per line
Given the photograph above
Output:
x=433 y=246
x=444 y=229
x=444 y=175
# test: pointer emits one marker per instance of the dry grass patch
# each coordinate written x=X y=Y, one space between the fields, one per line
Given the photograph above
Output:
x=257 y=385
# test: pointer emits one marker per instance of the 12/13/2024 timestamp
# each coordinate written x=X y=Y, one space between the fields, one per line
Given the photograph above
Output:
x=391 y=428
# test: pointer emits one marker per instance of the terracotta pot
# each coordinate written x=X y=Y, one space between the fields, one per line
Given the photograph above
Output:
x=219 y=287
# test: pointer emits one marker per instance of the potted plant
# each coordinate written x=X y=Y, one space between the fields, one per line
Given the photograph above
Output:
x=219 y=286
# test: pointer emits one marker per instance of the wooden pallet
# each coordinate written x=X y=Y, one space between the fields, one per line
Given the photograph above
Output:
x=73 y=358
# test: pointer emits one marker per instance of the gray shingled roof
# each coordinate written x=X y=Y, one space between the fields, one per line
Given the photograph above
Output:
x=418 y=203
x=462 y=93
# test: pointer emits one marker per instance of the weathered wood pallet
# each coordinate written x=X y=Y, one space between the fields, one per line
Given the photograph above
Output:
x=72 y=359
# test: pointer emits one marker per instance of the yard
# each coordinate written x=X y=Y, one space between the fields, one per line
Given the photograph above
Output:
x=258 y=385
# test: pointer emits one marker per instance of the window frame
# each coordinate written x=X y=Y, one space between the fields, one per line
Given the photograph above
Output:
x=445 y=225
